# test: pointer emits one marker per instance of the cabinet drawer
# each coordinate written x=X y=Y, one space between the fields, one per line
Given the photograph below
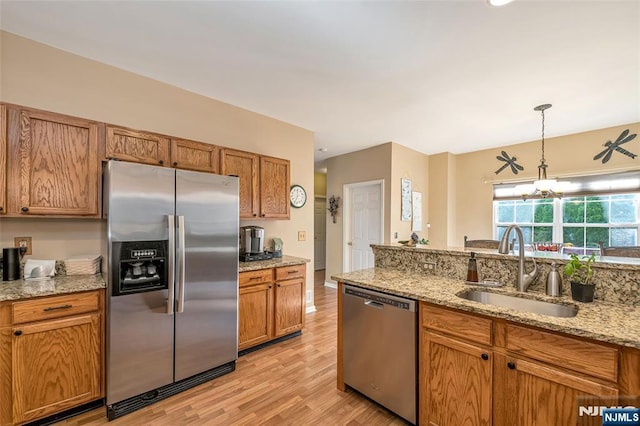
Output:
x=466 y=326
x=567 y=352
x=53 y=307
x=288 y=272
x=255 y=277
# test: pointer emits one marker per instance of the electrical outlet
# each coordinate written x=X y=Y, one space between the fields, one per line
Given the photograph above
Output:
x=429 y=266
x=302 y=235
x=23 y=242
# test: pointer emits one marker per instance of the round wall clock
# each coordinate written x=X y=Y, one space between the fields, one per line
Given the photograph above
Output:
x=297 y=196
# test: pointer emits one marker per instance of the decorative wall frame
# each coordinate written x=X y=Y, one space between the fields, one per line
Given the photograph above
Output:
x=406 y=202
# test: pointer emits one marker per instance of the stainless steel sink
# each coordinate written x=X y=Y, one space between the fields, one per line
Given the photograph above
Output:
x=520 y=304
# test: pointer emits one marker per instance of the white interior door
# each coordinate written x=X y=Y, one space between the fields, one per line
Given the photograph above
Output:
x=365 y=215
x=319 y=232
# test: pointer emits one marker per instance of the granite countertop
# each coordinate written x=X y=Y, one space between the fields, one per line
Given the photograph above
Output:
x=60 y=284
x=272 y=263
x=613 y=323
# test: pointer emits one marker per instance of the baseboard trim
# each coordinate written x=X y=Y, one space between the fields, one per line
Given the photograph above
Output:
x=311 y=309
x=330 y=284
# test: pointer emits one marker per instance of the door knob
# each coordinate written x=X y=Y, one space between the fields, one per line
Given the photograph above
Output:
x=349 y=243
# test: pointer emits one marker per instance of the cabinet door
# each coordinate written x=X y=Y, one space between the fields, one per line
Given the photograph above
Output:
x=255 y=315
x=136 y=146
x=289 y=306
x=541 y=395
x=455 y=382
x=56 y=165
x=56 y=365
x=245 y=166
x=274 y=188
x=192 y=155
x=3 y=159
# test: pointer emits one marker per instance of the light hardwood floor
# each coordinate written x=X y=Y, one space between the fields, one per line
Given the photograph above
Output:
x=289 y=383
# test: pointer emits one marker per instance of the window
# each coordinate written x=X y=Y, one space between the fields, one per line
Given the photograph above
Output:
x=579 y=220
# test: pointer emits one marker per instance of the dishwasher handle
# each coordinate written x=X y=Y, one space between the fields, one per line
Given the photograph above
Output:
x=378 y=300
x=374 y=304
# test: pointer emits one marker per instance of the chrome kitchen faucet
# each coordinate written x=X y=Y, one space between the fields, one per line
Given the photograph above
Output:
x=524 y=279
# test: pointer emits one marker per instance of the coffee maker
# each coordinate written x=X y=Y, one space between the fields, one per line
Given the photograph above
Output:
x=252 y=244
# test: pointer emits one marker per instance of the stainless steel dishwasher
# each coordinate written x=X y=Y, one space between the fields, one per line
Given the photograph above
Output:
x=379 y=348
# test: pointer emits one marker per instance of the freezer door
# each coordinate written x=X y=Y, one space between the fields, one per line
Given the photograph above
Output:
x=207 y=272
x=140 y=327
x=139 y=199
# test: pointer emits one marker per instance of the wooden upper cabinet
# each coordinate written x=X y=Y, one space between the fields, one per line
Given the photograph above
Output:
x=53 y=164
x=245 y=166
x=196 y=156
x=3 y=159
x=274 y=187
x=137 y=146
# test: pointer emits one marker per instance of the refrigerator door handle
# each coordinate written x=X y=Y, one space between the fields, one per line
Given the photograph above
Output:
x=181 y=263
x=171 y=222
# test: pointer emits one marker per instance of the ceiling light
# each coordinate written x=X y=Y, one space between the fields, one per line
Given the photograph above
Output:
x=543 y=187
x=498 y=3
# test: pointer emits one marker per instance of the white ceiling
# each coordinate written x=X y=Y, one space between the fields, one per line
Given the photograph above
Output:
x=434 y=76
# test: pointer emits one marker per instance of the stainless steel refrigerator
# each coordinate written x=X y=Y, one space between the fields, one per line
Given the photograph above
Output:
x=172 y=254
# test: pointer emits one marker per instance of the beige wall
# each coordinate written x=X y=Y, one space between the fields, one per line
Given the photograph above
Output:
x=389 y=162
x=408 y=164
x=35 y=75
x=360 y=166
x=566 y=156
x=442 y=199
x=320 y=184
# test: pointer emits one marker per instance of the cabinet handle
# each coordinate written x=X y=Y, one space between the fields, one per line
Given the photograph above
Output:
x=55 y=308
x=25 y=209
x=291 y=272
x=254 y=278
x=278 y=285
x=263 y=215
x=0 y=208
x=254 y=215
x=511 y=366
x=175 y=163
x=161 y=162
x=485 y=356
x=269 y=286
x=17 y=333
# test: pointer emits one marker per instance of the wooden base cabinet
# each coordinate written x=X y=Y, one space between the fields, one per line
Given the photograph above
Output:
x=476 y=370
x=456 y=381
x=50 y=355
x=270 y=304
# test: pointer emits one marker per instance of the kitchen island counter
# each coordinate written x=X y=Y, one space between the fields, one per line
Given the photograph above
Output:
x=60 y=284
x=271 y=263
x=603 y=321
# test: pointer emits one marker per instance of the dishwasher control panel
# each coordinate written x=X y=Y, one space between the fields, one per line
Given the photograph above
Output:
x=380 y=298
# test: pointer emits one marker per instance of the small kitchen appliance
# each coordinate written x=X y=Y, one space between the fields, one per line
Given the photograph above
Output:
x=252 y=244
x=10 y=264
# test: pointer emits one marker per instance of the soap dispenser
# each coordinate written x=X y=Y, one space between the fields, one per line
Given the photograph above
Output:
x=472 y=269
x=554 y=281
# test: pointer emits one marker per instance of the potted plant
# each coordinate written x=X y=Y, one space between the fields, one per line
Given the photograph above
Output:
x=579 y=272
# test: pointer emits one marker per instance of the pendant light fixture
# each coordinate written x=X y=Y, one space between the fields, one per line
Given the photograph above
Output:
x=543 y=187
